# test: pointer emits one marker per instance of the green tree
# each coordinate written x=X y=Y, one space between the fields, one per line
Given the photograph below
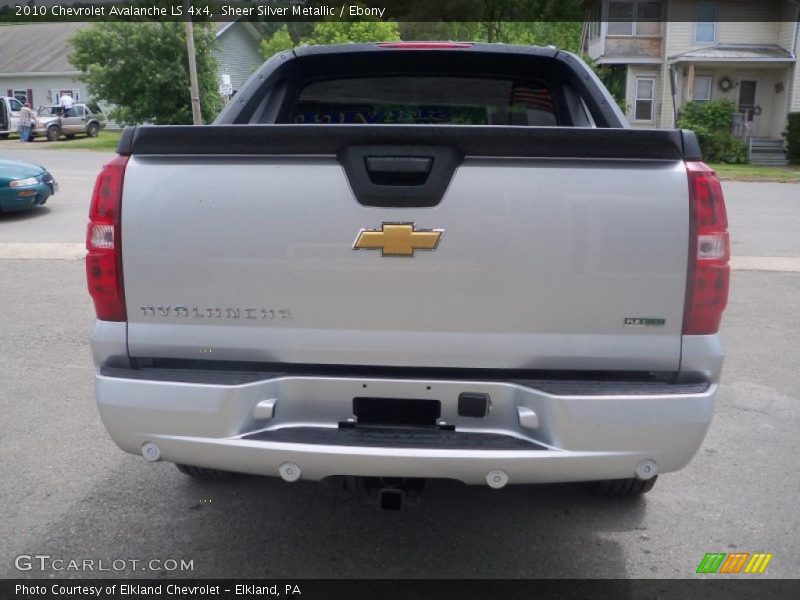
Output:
x=528 y=22
x=338 y=32
x=565 y=35
x=332 y=32
x=142 y=70
x=615 y=78
x=277 y=42
x=459 y=31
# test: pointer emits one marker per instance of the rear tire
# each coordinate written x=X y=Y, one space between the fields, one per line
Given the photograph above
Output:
x=203 y=473
x=625 y=488
x=92 y=130
x=4 y=136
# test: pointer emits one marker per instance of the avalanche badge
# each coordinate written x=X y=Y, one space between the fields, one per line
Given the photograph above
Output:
x=398 y=239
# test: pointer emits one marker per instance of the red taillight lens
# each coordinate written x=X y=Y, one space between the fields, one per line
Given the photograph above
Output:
x=709 y=253
x=424 y=45
x=104 y=258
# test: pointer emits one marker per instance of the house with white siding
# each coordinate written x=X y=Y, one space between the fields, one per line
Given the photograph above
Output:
x=674 y=51
x=237 y=52
x=34 y=64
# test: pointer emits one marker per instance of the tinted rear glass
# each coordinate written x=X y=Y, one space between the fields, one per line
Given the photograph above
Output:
x=426 y=100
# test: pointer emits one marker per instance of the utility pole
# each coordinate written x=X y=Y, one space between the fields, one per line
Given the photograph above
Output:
x=194 y=89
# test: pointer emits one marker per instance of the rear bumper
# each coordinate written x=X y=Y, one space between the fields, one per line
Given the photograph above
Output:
x=584 y=432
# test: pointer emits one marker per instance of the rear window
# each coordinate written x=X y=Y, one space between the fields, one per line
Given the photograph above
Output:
x=426 y=100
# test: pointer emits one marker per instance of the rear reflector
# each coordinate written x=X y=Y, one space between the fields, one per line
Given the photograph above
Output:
x=104 y=258
x=709 y=253
x=424 y=45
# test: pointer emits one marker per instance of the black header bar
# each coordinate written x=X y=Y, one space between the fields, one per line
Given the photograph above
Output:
x=280 y=11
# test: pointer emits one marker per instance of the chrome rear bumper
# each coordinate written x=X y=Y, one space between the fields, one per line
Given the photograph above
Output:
x=259 y=425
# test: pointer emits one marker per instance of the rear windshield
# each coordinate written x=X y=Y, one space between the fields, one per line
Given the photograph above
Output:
x=426 y=100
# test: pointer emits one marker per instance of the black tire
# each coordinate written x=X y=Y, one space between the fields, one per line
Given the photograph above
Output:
x=203 y=473
x=92 y=130
x=53 y=133
x=4 y=136
x=625 y=488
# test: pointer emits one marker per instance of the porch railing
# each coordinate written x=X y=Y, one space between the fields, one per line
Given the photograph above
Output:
x=741 y=127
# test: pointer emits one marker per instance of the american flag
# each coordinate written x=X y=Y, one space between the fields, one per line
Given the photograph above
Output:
x=538 y=98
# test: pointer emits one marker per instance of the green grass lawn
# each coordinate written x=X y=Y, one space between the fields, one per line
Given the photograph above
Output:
x=105 y=141
x=790 y=174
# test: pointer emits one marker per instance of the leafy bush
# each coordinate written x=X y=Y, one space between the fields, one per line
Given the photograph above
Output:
x=723 y=147
x=793 y=138
x=614 y=77
x=712 y=122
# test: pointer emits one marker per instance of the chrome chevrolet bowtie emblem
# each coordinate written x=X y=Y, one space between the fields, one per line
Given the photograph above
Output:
x=398 y=239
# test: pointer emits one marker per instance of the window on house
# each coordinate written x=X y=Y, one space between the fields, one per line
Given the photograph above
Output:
x=594 y=21
x=648 y=18
x=21 y=96
x=620 y=18
x=56 y=95
x=634 y=17
x=643 y=106
x=706 y=28
x=702 y=88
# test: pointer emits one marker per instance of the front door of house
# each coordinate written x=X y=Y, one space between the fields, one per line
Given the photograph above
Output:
x=748 y=105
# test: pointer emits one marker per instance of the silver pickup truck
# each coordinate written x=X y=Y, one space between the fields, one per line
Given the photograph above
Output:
x=402 y=261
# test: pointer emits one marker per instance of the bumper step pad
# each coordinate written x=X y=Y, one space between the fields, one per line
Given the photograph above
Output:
x=394 y=438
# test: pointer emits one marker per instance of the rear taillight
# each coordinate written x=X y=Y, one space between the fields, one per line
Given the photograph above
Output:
x=104 y=258
x=709 y=253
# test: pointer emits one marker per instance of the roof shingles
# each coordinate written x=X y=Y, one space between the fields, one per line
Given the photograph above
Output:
x=36 y=48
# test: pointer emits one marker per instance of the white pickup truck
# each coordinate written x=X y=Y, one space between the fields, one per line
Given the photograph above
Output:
x=9 y=116
x=403 y=261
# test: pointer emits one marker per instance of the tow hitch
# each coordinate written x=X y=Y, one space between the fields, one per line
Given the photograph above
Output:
x=393 y=493
x=388 y=493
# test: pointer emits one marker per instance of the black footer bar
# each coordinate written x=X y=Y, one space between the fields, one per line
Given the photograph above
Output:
x=705 y=588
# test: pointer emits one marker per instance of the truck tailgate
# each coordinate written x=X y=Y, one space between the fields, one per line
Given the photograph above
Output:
x=543 y=263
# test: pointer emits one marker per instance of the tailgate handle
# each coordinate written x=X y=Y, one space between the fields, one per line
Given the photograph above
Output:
x=398 y=175
x=398 y=170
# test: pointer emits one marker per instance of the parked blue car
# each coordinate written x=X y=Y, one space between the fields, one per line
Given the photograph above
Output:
x=23 y=185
